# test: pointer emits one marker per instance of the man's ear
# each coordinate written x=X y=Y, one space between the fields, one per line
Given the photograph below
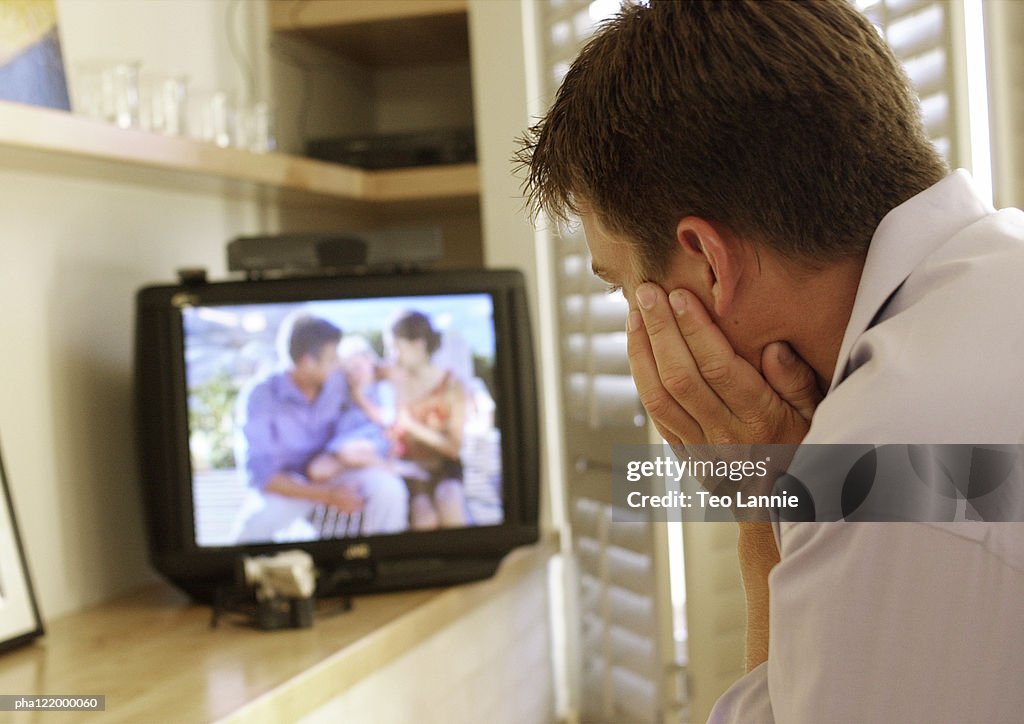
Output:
x=707 y=243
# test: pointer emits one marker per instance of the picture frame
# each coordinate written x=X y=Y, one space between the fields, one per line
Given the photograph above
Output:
x=20 y=621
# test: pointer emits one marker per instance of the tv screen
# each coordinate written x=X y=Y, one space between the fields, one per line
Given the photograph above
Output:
x=385 y=420
x=417 y=410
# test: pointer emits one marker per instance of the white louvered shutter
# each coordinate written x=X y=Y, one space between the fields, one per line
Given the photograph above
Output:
x=631 y=625
x=620 y=657
x=922 y=34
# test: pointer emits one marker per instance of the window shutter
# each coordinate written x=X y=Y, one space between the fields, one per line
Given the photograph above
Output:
x=1004 y=23
x=921 y=33
x=627 y=660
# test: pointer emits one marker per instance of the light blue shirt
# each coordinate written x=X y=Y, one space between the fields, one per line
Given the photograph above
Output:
x=284 y=430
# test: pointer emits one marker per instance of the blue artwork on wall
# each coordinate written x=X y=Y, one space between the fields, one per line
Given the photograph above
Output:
x=31 y=65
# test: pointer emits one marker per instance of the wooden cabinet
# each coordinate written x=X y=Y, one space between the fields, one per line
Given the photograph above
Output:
x=364 y=68
x=379 y=32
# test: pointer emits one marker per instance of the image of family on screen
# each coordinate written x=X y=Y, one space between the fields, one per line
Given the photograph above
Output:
x=364 y=433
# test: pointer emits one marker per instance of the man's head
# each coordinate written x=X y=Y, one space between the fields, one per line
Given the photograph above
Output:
x=789 y=125
x=313 y=348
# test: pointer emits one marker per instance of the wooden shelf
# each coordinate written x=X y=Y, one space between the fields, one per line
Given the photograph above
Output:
x=379 y=32
x=74 y=145
x=155 y=657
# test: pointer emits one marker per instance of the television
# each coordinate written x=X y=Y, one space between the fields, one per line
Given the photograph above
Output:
x=384 y=423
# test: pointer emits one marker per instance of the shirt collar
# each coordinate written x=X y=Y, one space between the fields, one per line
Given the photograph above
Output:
x=904 y=238
x=286 y=387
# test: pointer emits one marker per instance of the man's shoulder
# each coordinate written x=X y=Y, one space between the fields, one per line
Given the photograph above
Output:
x=985 y=251
x=987 y=244
x=942 y=361
x=267 y=388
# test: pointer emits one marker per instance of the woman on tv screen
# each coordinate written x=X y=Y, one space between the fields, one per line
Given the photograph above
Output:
x=429 y=425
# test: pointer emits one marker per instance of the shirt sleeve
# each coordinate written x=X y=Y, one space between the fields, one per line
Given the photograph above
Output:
x=746 y=701
x=261 y=459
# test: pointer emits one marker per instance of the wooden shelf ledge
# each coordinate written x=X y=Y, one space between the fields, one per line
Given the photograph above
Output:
x=27 y=131
x=155 y=657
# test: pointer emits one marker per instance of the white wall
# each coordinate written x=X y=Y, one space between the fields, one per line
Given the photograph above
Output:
x=504 y=96
x=208 y=40
x=72 y=255
x=73 y=250
x=501 y=97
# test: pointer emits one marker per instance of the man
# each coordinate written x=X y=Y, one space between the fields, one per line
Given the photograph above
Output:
x=754 y=176
x=309 y=444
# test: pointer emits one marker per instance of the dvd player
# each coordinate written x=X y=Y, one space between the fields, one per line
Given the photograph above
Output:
x=328 y=252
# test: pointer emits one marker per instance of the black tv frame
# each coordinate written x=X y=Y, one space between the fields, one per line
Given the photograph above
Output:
x=351 y=565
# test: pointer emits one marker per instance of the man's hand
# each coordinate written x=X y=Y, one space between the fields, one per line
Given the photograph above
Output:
x=698 y=391
x=345 y=498
x=357 y=454
x=323 y=467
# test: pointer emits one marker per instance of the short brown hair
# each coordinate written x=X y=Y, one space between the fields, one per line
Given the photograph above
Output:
x=791 y=123
x=309 y=335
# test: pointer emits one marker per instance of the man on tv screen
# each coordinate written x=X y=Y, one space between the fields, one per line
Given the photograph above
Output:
x=307 y=443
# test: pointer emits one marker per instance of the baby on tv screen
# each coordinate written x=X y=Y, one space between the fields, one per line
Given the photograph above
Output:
x=318 y=420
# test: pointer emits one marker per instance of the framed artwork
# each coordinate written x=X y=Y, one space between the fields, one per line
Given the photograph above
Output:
x=31 y=63
x=19 y=614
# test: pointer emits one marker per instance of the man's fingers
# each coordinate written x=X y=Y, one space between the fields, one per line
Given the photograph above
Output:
x=791 y=378
x=677 y=369
x=671 y=420
x=667 y=435
x=712 y=352
x=731 y=377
